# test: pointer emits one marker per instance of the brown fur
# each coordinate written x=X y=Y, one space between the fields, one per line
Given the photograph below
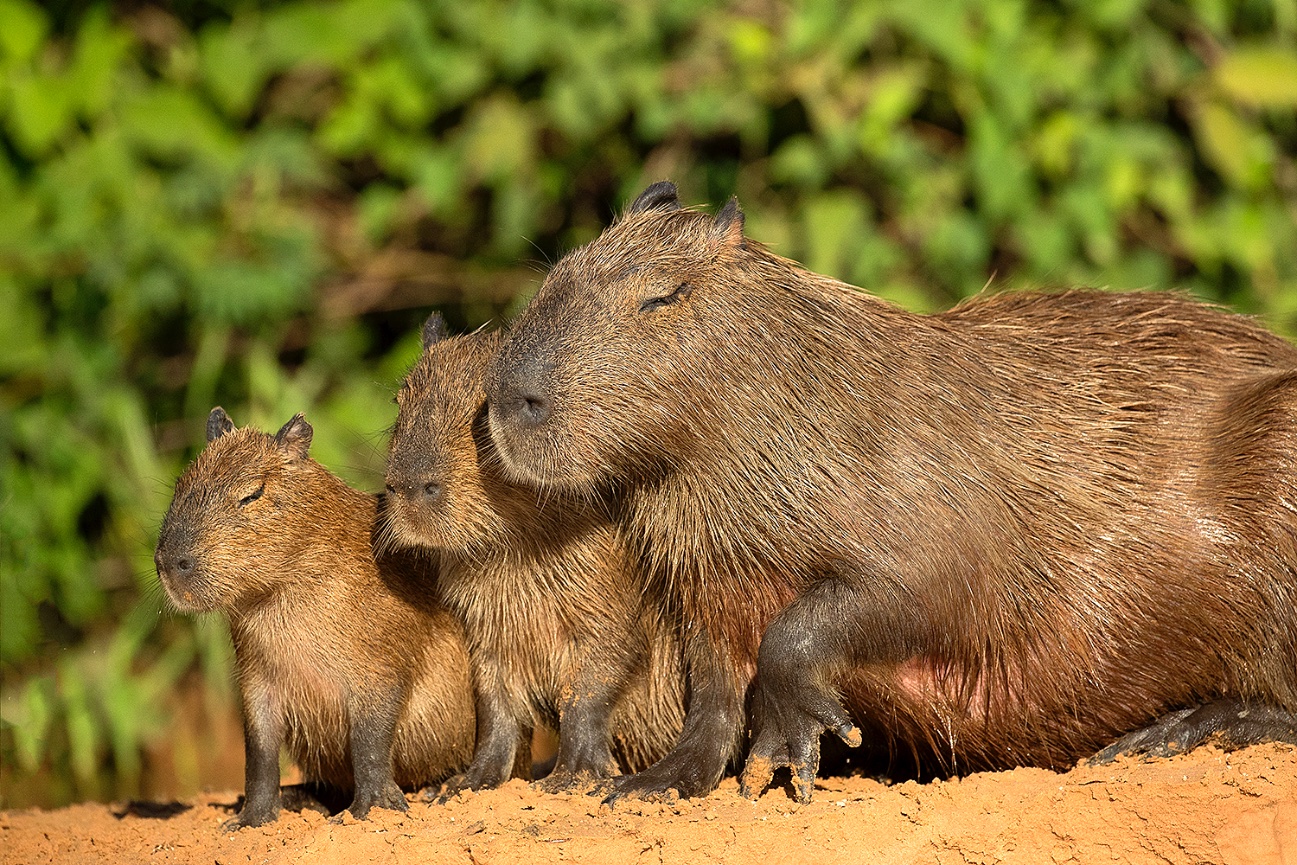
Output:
x=546 y=591
x=1057 y=515
x=321 y=631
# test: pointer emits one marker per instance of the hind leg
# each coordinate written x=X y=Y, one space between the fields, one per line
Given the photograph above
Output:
x=1230 y=723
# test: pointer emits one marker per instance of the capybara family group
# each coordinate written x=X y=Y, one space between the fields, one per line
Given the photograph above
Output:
x=698 y=506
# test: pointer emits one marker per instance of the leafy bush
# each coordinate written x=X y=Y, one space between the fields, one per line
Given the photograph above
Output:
x=255 y=204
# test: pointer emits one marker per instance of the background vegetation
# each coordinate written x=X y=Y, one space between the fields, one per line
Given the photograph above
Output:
x=256 y=203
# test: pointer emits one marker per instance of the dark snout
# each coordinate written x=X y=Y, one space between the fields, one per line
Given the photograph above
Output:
x=173 y=566
x=522 y=407
x=520 y=396
x=420 y=489
x=179 y=569
x=413 y=478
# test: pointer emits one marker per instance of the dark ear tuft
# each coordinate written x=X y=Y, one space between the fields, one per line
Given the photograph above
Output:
x=729 y=222
x=662 y=195
x=294 y=437
x=218 y=424
x=434 y=329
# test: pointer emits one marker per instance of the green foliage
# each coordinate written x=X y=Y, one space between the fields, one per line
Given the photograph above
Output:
x=254 y=204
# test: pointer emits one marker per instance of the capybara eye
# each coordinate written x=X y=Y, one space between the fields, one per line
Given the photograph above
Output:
x=681 y=292
x=253 y=496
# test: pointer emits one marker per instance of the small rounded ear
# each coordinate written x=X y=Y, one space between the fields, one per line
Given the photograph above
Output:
x=434 y=329
x=218 y=424
x=662 y=195
x=294 y=438
x=729 y=223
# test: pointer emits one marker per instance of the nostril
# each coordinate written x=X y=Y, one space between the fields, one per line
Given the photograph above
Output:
x=185 y=565
x=391 y=490
x=432 y=490
x=530 y=409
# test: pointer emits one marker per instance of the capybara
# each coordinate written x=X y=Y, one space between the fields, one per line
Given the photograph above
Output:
x=558 y=631
x=345 y=657
x=1000 y=535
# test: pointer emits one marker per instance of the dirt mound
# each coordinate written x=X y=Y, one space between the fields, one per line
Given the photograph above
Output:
x=1208 y=806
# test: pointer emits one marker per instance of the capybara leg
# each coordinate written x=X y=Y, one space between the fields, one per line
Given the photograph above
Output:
x=584 y=749
x=499 y=736
x=827 y=630
x=710 y=738
x=1229 y=723
x=373 y=727
x=262 y=734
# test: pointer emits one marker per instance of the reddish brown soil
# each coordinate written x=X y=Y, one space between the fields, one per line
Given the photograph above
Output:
x=1208 y=806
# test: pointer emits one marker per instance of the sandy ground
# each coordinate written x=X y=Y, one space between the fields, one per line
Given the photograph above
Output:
x=1238 y=808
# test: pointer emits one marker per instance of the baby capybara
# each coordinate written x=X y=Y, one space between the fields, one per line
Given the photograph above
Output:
x=342 y=656
x=558 y=631
x=1001 y=535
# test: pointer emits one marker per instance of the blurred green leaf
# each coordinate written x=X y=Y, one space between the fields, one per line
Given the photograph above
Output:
x=1263 y=77
x=25 y=26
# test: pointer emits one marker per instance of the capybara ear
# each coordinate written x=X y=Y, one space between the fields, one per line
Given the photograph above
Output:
x=294 y=438
x=662 y=195
x=434 y=329
x=218 y=424
x=729 y=223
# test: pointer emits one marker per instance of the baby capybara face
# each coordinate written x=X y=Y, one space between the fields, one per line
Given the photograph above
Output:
x=440 y=484
x=224 y=537
x=599 y=374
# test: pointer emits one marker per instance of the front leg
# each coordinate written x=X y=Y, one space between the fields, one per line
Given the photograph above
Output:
x=373 y=728
x=263 y=732
x=712 y=731
x=584 y=734
x=499 y=737
x=830 y=628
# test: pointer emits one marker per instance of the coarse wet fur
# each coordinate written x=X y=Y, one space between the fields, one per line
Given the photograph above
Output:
x=343 y=657
x=558 y=631
x=1001 y=535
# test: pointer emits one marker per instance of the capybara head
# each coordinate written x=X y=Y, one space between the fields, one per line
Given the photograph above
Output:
x=231 y=531
x=442 y=490
x=604 y=370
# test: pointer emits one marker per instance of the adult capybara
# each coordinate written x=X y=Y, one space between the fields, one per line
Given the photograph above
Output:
x=558 y=630
x=1001 y=535
x=341 y=655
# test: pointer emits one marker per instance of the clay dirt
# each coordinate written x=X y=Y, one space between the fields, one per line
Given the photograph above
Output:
x=1237 y=808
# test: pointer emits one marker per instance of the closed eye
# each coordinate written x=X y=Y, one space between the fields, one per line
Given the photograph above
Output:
x=681 y=292
x=252 y=497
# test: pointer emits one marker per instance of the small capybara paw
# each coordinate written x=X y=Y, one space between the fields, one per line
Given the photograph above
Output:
x=389 y=797
x=468 y=781
x=246 y=820
x=563 y=781
x=682 y=774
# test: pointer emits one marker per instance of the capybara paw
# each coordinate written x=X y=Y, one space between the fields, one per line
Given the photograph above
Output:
x=564 y=781
x=1229 y=723
x=787 y=734
x=389 y=797
x=468 y=782
x=248 y=819
x=680 y=775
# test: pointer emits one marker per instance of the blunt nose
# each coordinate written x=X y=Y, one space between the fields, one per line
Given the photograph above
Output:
x=426 y=491
x=524 y=407
x=180 y=566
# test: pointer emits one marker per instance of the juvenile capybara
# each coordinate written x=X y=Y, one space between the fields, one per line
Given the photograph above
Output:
x=1001 y=535
x=343 y=656
x=558 y=630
